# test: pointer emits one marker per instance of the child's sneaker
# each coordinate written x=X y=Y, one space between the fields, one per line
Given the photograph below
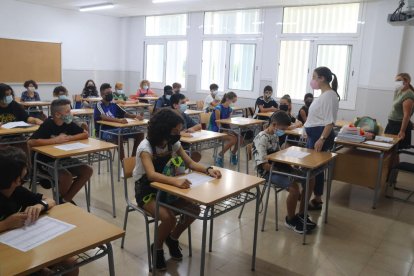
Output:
x=310 y=225
x=219 y=161
x=174 y=248
x=233 y=158
x=290 y=223
x=299 y=227
x=161 y=265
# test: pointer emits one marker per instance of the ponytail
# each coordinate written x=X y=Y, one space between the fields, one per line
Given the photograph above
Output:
x=228 y=96
x=335 y=86
x=329 y=77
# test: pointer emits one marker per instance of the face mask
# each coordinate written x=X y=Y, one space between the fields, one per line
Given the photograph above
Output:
x=398 y=84
x=214 y=93
x=232 y=105
x=109 y=97
x=168 y=97
x=145 y=87
x=8 y=99
x=63 y=97
x=279 y=133
x=174 y=139
x=177 y=92
x=284 y=107
x=31 y=89
x=314 y=84
x=267 y=96
x=308 y=103
x=120 y=91
x=67 y=119
x=183 y=107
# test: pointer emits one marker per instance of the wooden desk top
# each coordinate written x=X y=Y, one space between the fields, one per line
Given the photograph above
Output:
x=191 y=112
x=18 y=130
x=366 y=146
x=312 y=161
x=90 y=232
x=92 y=99
x=295 y=131
x=265 y=114
x=82 y=111
x=37 y=103
x=342 y=123
x=231 y=183
x=129 y=124
x=206 y=136
x=240 y=121
x=189 y=103
x=237 y=108
x=134 y=104
x=95 y=145
x=148 y=98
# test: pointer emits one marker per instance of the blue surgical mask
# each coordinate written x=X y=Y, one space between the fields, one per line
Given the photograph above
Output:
x=279 y=133
x=8 y=99
x=67 y=119
x=168 y=97
x=63 y=97
x=183 y=107
x=120 y=91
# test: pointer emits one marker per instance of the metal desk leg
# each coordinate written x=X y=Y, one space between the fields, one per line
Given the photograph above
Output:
x=56 y=179
x=154 y=247
x=110 y=259
x=111 y=171
x=256 y=224
x=203 y=241
x=269 y=182
x=378 y=184
x=34 y=178
x=328 y=188
x=238 y=149
x=119 y=154
x=305 y=214
x=210 y=245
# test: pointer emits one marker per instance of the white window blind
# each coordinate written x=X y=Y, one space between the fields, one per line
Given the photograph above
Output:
x=176 y=62
x=213 y=64
x=166 y=25
x=155 y=62
x=232 y=22
x=242 y=64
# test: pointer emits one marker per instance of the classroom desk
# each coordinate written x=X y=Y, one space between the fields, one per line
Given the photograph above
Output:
x=32 y=106
x=364 y=165
x=149 y=99
x=192 y=105
x=342 y=123
x=265 y=114
x=137 y=107
x=206 y=140
x=90 y=232
x=237 y=111
x=16 y=135
x=85 y=114
x=215 y=198
x=237 y=125
x=311 y=165
x=194 y=114
x=296 y=136
x=92 y=99
x=87 y=155
x=119 y=130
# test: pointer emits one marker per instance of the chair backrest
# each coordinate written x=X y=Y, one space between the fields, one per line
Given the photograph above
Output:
x=200 y=105
x=128 y=165
x=249 y=150
x=77 y=101
x=205 y=119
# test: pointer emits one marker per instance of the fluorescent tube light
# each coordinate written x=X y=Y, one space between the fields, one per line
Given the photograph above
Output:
x=103 y=6
x=163 y=1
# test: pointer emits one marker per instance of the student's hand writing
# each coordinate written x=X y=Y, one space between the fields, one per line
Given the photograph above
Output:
x=186 y=134
x=16 y=220
x=298 y=123
x=318 y=145
x=182 y=183
x=139 y=117
x=33 y=212
x=62 y=138
x=214 y=173
x=123 y=121
x=38 y=121
x=190 y=130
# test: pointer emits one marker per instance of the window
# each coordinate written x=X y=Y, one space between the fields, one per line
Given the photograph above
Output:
x=176 y=62
x=166 y=25
x=213 y=64
x=155 y=62
x=241 y=74
x=337 y=18
x=232 y=22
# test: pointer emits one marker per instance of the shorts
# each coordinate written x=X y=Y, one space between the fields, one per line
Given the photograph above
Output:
x=51 y=171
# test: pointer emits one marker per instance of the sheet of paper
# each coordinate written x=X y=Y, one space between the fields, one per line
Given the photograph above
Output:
x=197 y=179
x=379 y=144
x=197 y=134
x=28 y=237
x=130 y=120
x=384 y=139
x=74 y=146
x=296 y=154
x=15 y=124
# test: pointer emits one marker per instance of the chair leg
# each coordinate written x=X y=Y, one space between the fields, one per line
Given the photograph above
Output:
x=148 y=244
x=125 y=225
x=276 y=209
x=266 y=204
x=190 y=246
x=88 y=195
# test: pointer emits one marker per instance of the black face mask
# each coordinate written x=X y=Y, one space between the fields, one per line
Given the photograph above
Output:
x=284 y=107
x=308 y=103
x=109 y=97
x=91 y=88
x=174 y=139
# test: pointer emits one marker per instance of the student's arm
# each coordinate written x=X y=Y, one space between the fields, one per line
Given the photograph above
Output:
x=407 y=109
x=35 y=121
x=62 y=138
x=268 y=109
x=197 y=166
x=195 y=128
x=302 y=114
x=16 y=220
x=326 y=131
x=34 y=211
x=261 y=153
x=133 y=116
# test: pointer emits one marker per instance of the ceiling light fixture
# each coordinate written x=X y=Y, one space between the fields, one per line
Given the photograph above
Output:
x=103 y=6
x=163 y=1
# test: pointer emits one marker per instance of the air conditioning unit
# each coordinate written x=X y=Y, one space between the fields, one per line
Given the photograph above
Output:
x=400 y=17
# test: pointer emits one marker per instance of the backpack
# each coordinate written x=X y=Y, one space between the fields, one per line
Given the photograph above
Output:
x=368 y=124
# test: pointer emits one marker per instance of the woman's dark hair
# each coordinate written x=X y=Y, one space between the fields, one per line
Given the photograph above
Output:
x=3 y=88
x=58 y=89
x=86 y=84
x=161 y=124
x=29 y=82
x=308 y=95
x=228 y=96
x=329 y=77
x=287 y=98
x=176 y=98
x=281 y=118
x=12 y=163
x=267 y=88
x=213 y=86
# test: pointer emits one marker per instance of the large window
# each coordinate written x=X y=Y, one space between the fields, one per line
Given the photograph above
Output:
x=166 y=25
x=232 y=22
x=241 y=74
x=155 y=62
x=213 y=64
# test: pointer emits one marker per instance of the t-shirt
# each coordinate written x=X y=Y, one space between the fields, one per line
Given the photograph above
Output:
x=225 y=113
x=119 y=96
x=208 y=100
x=14 y=112
x=26 y=98
x=112 y=110
x=323 y=110
x=306 y=109
x=19 y=200
x=397 y=112
x=145 y=92
x=266 y=104
x=50 y=129
x=263 y=145
x=188 y=122
x=145 y=146
x=161 y=103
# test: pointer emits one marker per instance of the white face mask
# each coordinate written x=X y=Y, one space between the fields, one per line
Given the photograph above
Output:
x=120 y=91
x=214 y=92
x=31 y=89
x=145 y=87
x=398 y=84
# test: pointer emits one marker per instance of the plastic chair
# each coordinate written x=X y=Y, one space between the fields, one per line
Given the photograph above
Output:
x=128 y=165
x=199 y=105
x=205 y=119
x=77 y=101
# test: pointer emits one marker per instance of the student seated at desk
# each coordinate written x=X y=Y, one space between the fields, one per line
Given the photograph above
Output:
x=154 y=161
x=106 y=110
x=60 y=92
x=60 y=129
x=164 y=100
x=304 y=110
x=18 y=205
x=265 y=103
x=178 y=103
x=119 y=93
x=31 y=95
x=212 y=100
x=265 y=143
x=286 y=106
x=176 y=87
x=144 y=90
x=223 y=111
x=89 y=91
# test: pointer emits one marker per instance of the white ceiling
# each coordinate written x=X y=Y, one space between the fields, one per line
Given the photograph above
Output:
x=125 y=8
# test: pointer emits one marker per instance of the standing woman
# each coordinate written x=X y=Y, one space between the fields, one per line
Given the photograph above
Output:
x=320 y=122
x=402 y=109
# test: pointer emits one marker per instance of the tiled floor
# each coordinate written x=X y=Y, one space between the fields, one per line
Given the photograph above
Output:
x=357 y=240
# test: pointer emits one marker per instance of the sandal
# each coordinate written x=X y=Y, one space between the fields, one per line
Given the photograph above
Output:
x=315 y=205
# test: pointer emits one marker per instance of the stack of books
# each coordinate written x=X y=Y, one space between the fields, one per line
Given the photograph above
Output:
x=351 y=134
